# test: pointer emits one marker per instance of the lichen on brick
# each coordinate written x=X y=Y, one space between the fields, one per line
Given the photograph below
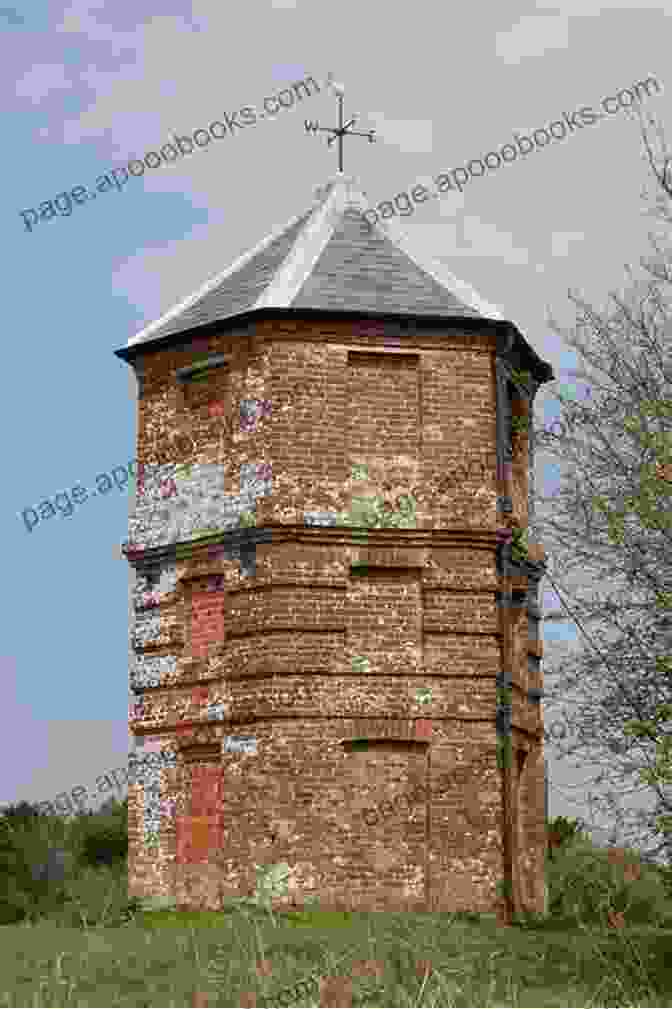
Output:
x=147 y=630
x=151 y=671
x=200 y=505
x=360 y=664
x=251 y=411
x=371 y=513
x=320 y=518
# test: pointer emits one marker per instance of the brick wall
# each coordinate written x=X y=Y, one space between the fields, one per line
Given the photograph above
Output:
x=309 y=638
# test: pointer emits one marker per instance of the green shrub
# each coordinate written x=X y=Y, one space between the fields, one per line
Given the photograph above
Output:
x=565 y=831
x=34 y=867
x=72 y=870
x=568 y=828
x=584 y=885
x=20 y=813
x=103 y=839
x=98 y=897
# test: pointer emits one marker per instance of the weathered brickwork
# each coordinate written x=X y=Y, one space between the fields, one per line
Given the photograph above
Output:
x=325 y=619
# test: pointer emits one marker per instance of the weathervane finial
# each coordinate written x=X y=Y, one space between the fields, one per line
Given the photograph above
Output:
x=342 y=130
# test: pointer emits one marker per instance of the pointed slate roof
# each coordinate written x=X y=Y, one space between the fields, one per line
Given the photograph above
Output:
x=328 y=259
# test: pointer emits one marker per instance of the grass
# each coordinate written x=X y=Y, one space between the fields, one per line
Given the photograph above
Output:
x=607 y=941
x=388 y=960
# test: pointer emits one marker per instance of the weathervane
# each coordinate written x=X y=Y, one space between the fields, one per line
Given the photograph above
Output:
x=343 y=130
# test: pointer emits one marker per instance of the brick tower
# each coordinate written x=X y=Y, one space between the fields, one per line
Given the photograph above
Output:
x=335 y=651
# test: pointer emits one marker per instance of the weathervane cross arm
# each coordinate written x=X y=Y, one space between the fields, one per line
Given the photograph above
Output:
x=340 y=131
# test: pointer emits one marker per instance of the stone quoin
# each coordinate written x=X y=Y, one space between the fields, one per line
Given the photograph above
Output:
x=337 y=611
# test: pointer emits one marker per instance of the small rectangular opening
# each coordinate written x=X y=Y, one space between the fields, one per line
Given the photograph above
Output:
x=201 y=369
x=382 y=745
x=202 y=751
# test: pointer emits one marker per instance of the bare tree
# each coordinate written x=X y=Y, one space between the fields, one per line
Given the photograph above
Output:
x=626 y=361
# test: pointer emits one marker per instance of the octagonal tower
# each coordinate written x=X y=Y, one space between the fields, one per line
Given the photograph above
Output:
x=335 y=649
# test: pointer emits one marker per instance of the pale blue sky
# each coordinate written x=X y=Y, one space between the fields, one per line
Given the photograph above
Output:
x=90 y=85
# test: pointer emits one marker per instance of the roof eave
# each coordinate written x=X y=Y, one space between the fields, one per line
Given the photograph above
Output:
x=508 y=333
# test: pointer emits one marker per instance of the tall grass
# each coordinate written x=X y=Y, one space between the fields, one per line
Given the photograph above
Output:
x=74 y=938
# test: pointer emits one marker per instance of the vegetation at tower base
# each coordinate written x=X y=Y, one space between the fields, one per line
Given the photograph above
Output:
x=562 y=831
x=505 y=888
x=608 y=561
x=130 y=951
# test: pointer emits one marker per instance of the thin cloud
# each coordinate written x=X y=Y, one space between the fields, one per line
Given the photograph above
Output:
x=531 y=36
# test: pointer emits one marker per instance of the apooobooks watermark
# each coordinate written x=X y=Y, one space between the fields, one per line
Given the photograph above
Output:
x=509 y=152
x=75 y=800
x=169 y=152
x=251 y=410
x=104 y=484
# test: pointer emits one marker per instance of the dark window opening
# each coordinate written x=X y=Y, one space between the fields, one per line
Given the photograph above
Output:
x=382 y=745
